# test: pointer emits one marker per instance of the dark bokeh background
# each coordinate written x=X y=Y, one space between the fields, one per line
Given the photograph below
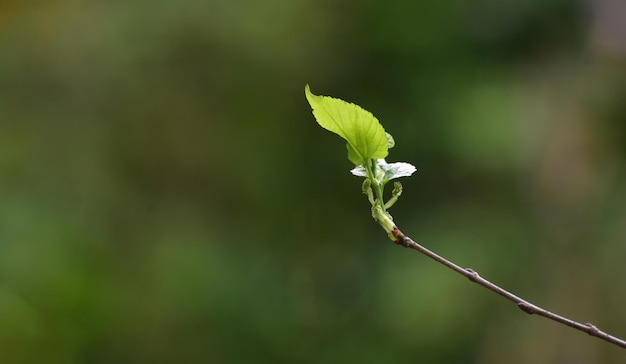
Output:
x=167 y=197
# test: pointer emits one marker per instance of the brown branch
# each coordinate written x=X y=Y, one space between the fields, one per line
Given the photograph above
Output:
x=524 y=305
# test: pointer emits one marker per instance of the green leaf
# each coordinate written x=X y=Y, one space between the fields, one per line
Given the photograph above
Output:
x=365 y=135
x=390 y=142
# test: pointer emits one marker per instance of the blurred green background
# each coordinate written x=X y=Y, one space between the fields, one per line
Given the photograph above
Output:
x=167 y=197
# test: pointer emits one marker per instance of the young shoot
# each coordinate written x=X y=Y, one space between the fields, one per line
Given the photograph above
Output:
x=368 y=145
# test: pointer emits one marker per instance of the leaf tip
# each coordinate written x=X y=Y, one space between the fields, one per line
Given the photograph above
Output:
x=307 y=91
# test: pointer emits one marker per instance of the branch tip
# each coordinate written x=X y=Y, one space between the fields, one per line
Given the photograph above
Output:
x=400 y=239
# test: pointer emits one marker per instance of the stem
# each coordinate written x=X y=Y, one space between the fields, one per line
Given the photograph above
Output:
x=395 y=194
x=529 y=308
x=379 y=210
x=378 y=190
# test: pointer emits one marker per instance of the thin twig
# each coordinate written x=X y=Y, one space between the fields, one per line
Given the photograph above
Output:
x=524 y=305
